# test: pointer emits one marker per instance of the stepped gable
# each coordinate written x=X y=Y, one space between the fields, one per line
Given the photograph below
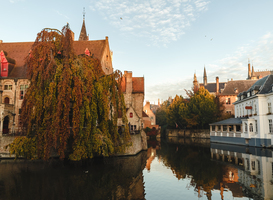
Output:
x=20 y=50
x=240 y=85
x=211 y=87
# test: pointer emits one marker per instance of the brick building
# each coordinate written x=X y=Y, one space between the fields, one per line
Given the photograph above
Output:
x=228 y=91
x=13 y=74
x=133 y=91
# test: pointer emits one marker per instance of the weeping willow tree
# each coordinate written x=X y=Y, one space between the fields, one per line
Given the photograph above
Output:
x=70 y=105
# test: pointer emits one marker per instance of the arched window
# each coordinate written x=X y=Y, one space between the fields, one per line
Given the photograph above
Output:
x=6 y=100
x=250 y=127
x=6 y=125
x=245 y=127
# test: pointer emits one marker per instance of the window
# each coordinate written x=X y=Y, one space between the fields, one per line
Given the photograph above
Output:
x=250 y=127
x=8 y=87
x=248 y=94
x=219 y=128
x=224 y=127
x=256 y=126
x=270 y=126
x=253 y=165
x=23 y=89
x=272 y=169
x=259 y=168
x=227 y=100
x=213 y=128
x=19 y=116
x=6 y=100
x=255 y=109
x=228 y=112
x=269 y=107
x=238 y=128
x=245 y=127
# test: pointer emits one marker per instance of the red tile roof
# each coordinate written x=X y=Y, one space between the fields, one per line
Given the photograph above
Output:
x=144 y=114
x=19 y=51
x=138 y=85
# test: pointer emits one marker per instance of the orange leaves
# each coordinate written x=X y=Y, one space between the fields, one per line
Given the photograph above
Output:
x=71 y=105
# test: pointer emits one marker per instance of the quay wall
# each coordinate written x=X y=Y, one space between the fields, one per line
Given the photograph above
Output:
x=4 y=150
x=200 y=133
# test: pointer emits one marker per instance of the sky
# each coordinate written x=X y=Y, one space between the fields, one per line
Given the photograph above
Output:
x=166 y=41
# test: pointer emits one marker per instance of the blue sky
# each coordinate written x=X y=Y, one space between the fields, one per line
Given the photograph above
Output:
x=166 y=41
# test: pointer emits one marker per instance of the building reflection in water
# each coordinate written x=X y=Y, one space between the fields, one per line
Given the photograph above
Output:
x=249 y=170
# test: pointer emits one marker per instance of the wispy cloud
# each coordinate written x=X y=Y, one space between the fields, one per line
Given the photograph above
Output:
x=162 y=21
x=232 y=66
x=61 y=14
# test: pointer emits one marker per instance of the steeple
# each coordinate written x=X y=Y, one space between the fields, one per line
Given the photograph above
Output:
x=205 y=76
x=83 y=35
x=195 y=83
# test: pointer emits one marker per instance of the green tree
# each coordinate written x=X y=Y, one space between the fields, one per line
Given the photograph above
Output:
x=70 y=105
x=201 y=110
x=161 y=114
x=175 y=112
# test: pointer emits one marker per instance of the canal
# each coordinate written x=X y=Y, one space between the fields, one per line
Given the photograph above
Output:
x=169 y=169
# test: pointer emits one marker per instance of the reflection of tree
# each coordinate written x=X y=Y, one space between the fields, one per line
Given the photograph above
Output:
x=113 y=178
x=192 y=162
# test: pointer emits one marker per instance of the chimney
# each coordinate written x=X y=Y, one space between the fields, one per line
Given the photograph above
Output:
x=217 y=85
x=249 y=71
x=159 y=102
x=129 y=82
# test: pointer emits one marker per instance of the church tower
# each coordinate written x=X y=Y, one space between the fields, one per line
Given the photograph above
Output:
x=195 y=84
x=83 y=35
x=205 y=77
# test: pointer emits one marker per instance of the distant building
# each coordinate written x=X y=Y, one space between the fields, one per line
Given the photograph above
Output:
x=253 y=122
x=258 y=74
x=149 y=121
x=133 y=91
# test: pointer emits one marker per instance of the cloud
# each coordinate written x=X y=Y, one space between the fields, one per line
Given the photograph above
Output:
x=61 y=14
x=162 y=21
x=233 y=66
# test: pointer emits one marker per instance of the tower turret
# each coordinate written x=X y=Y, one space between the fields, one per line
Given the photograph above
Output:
x=249 y=70
x=83 y=35
x=205 y=76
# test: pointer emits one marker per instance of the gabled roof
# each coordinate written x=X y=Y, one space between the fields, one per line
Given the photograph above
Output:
x=240 y=85
x=211 y=87
x=144 y=114
x=20 y=50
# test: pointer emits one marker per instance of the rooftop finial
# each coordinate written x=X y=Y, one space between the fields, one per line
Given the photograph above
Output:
x=83 y=13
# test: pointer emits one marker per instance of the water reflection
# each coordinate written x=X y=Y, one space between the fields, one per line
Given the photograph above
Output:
x=214 y=171
x=169 y=169
x=252 y=167
x=112 y=178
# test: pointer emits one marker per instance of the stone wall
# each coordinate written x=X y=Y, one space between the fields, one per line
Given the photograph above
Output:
x=4 y=141
x=139 y=143
x=201 y=133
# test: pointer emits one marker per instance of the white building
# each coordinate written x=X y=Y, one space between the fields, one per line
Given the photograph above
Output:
x=253 y=122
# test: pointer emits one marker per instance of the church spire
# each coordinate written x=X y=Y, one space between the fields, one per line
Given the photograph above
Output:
x=205 y=76
x=83 y=35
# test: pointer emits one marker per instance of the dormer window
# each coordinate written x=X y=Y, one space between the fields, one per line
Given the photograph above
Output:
x=253 y=92
x=248 y=94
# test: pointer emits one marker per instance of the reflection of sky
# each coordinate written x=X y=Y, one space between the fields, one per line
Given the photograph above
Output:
x=161 y=183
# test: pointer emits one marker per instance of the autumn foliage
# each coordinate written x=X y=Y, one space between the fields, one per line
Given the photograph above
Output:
x=71 y=106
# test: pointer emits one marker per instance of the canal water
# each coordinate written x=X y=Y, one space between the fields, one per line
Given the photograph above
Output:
x=169 y=169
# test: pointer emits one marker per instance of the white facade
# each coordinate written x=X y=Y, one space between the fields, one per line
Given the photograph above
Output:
x=258 y=109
